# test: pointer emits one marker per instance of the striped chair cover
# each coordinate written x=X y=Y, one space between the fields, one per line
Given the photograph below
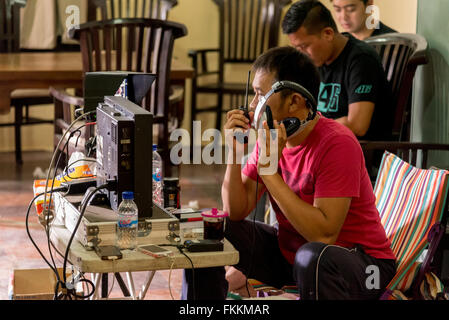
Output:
x=410 y=201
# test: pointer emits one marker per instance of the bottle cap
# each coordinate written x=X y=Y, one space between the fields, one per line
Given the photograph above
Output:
x=214 y=213
x=154 y=147
x=128 y=195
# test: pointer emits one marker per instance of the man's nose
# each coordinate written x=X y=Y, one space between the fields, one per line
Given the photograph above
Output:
x=253 y=104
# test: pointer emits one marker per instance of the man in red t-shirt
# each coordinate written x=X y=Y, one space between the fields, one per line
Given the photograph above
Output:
x=330 y=241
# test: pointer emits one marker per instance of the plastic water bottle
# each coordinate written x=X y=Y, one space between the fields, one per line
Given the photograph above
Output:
x=127 y=222
x=158 y=197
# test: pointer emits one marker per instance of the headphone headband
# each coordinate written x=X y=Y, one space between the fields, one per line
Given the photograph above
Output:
x=281 y=85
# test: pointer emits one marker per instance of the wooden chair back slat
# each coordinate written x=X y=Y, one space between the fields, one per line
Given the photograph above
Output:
x=9 y=26
x=148 y=48
x=120 y=9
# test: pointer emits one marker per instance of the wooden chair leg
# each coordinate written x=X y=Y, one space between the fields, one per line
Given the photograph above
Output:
x=18 y=119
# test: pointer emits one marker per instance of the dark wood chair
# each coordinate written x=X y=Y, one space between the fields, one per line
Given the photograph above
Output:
x=246 y=29
x=110 y=9
x=142 y=45
x=401 y=54
x=415 y=153
x=65 y=107
x=21 y=99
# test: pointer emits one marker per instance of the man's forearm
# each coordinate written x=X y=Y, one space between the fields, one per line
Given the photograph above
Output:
x=233 y=193
x=307 y=220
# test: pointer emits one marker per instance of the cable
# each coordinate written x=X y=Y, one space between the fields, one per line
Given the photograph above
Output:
x=83 y=209
x=253 y=240
x=66 y=169
x=181 y=248
x=193 y=270
x=169 y=277
x=29 y=233
x=47 y=224
x=66 y=293
x=59 y=283
x=54 y=156
x=47 y=211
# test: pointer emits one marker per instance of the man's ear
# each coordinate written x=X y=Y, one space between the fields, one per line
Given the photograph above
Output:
x=297 y=102
x=328 y=33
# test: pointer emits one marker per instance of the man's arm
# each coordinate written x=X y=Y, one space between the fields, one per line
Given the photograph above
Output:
x=238 y=193
x=321 y=222
x=359 y=117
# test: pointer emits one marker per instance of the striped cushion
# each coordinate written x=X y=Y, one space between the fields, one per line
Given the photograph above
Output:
x=410 y=201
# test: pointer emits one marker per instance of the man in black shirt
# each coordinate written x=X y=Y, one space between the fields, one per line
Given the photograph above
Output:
x=355 y=18
x=354 y=90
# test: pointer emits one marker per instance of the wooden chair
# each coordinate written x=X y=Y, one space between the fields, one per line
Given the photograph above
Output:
x=10 y=42
x=110 y=9
x=246 y=29
x=401 y=54
x=65 y=109
x=142 y=45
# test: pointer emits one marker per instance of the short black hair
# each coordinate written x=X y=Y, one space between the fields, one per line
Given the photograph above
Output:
x=289 y=64
x=364 y=1
x=311 y=14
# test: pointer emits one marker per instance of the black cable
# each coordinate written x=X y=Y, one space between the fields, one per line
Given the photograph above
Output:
x=253 y=240
x=47 y=224
x=83 y=209
x=66 y=169
x=181 y=250
x=64 y=268
x=29 y=233
x=59 y=283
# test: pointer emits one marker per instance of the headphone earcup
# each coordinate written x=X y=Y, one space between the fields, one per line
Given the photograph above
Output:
x=269 y=117
x=291 y=125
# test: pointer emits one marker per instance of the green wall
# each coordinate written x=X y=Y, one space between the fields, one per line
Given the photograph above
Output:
x=430 y=121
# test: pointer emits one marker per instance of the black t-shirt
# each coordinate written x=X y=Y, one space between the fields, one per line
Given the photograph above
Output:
x=382 y=30
x=357 y=75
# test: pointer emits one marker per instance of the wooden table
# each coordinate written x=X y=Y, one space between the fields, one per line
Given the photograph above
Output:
x=40 y=70
x=87 y=261
x=133 y=261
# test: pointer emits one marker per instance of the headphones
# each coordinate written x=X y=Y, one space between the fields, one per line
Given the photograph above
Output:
x=292 y=125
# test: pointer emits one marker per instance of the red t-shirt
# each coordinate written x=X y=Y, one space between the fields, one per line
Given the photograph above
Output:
x=329 y=164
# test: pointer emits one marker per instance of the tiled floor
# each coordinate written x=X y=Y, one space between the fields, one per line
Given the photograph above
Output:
x=198 y=182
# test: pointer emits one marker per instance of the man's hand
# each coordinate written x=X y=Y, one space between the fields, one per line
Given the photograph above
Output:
x=271 y=139
x=235 y=119
x=236 y=122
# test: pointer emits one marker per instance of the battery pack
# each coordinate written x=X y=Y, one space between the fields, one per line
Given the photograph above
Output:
x=203 y=245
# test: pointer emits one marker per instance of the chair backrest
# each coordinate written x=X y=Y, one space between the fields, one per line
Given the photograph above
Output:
x=401 y=54
x=141 y=45
x=410 y=202
x=415 y=153
x=115 y=9
x=9 y=26
x=248 y=28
